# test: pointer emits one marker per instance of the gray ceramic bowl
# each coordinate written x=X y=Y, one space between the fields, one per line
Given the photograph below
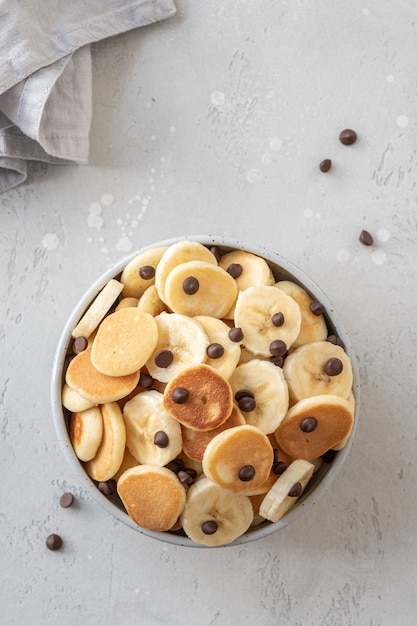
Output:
x=321 y=480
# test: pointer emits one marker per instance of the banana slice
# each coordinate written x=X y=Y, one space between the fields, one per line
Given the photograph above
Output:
x=266 y=314
x=98 y=309
x=139 y=273
x=177 y=253
x=152 y=435
x=86 y=432
x=109 y=456
x=247 y=269
x=200 y=288
x=151 y=303
x=127 y=302
x=286 y=491
x=213 y=516
x=318 y=368
x=225 y=353
x=313 y=327
x=181 y=343
x=73 y=401
x=266 y=383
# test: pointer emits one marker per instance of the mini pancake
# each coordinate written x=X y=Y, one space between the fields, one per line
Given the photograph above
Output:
x=110 y=453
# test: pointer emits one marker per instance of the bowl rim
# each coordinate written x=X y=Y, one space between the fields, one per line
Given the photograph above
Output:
x=312 y=495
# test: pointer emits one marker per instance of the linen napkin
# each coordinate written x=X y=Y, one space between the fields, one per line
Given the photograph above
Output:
x=45 y=75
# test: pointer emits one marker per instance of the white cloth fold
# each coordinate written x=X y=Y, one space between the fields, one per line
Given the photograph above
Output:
x=45 y=75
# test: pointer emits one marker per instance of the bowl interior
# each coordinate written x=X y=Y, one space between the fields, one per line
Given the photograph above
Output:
x=282 y=270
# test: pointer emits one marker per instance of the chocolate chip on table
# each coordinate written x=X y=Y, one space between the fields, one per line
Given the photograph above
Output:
x=278 y=347
x=66 y=500
x=190 y=285
x=236 y=334
x=54 y=542
x=179 y=395
x=277 y=319
x=308 y=425
x=366 y=238
x=247 y=404
x=348 y=137
x=107 y=487
x=235 y=270
x=161 y=439
x=335 y=340
x=279 y=468
x=163 y=358
x=247 y=473
x=325 y=165
x=185 y=478
x=145 y=380
x=296 y=490
x=215 y=351
x=209 y=527
x=147 y=272
x=316 y=307
x=333 y=366
x=80 y=344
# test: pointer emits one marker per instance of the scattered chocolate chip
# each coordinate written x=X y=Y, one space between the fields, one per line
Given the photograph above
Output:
x=308 y=424
x=277 y=319
x=145 y=380
x=80 y=344
x=107 y=487
x=236 y=334
x=348 y=137
x=242 y=393
x=325 y=165
x=176 y=465
x=235 y=270
x=296 y=490
x=179 y=395
x=190 y=285
x=66 y=500
x=336 y=341
x=54 y=542
x=147 y=272
x=333 y=366
x=246 y=473
x=161 y=439
x=247 y=404
x=215 y=351
x=216 y=253
x=329 y=456
x=278 y=347
x=185 y=478
x=277 y=360
x=279 y=468
x=163 y=358
x=316 y=307
x=209 y=527
x=366 y=238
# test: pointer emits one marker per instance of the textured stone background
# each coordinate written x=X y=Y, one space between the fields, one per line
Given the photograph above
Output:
x=215 y=122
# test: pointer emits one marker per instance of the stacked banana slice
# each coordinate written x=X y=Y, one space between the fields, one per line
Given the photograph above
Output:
x=208 y=388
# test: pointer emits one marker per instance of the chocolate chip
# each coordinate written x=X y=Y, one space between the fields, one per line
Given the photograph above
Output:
x=242 y=393
x=316 y=307
x=279 y=468
x=278 y=347
x=308 y=424
x=329 y=456
x=54 y=542
x=277 y=319
x=216 y=252
x=190 y=286
x=209 y=527
x=235 y=270
x=176 y=465
x=191 y=471
x=247 y=404
x=325 y=165
x=366 y=238
x=333 y=366
x=336 y=341
x=185 y=478
x=107 y=487
x=215 y=351
x=348 y=136
x=66 y=500
x=146 y=272
x=161 y=439
x=163 y=358
x=80 y=344
x=296 y=490
x=179 y=395
x=247 y=473
x=236 y=334
x=145 y=380
x=277 y=360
